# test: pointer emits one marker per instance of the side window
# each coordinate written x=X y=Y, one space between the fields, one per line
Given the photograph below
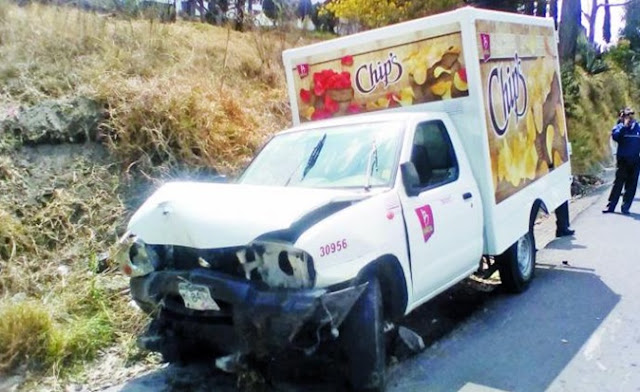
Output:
x=433 y=155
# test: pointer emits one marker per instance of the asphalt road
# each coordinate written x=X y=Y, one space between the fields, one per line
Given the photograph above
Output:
x=577 y=328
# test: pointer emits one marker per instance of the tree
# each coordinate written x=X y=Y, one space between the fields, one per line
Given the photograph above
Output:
x=270 y=9
x=418 y=9
x=631 y=30
x=304 y=8
x=323 y=19
x=541 y=8
x=593 y=15
x=606 y=27
x=239 y=23
x=553 y=11
x=499 y=5
x=369 y=13
x=569 y=29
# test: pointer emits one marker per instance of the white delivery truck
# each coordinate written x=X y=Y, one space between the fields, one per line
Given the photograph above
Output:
x=419 y=150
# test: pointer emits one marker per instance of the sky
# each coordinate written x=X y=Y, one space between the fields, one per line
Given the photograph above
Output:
x=617 y=15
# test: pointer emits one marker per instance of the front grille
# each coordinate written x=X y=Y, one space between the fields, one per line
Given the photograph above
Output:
x=180 y=258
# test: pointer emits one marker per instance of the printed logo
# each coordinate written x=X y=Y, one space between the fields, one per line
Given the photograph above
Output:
x=485 y=40
x=303 y=70
x=369 y=76
x=425 y=216
x=509 y=86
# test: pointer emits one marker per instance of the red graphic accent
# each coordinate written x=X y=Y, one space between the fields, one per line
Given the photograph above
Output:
x=347 y=60
x=303 y=70
x=390 y=215
x=485 y=39
x=425 y=216
x=463 y=74
x=305 y=95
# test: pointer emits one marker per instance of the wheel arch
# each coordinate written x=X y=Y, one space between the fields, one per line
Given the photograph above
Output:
x=393 y=284
x=537 y=205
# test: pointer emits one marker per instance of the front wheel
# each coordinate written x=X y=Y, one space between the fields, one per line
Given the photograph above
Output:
x=517 y=264
x=363 y=343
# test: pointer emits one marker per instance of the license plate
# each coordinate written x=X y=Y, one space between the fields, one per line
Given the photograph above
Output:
x=197 y=297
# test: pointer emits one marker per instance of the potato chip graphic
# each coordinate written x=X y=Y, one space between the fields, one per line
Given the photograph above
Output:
x=459 y=83
x=439 y=71
x=543 y=169
x=308 y=112
x=531 y=126
x=530 y=163
x=549 y=137
x=420 y=74
x=504 y=160
x=380 y=103
x=560 y=119
x=538 y=115
x=442 y=88
x=557 y=159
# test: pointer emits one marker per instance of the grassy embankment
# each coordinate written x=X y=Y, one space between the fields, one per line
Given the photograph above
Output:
x=179 y=94
x=184 y=94
x=592 y=103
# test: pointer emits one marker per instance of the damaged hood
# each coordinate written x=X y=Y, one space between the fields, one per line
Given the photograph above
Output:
x=207 y=215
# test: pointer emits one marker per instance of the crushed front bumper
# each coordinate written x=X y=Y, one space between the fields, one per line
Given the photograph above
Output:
x=251 y=318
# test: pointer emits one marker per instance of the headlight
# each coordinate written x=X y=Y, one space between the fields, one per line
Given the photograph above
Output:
x=278 y=264
x=135 y=257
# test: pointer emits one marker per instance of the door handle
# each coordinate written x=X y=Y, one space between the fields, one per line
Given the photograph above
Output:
x=467 y=196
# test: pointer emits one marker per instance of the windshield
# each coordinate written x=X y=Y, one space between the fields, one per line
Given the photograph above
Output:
x=361 y=155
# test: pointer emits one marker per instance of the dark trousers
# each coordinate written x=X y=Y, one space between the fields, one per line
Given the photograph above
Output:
x=627 y=176
x=562 y=216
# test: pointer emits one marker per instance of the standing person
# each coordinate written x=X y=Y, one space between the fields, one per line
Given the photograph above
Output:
x=627 y=134
x=562 y=221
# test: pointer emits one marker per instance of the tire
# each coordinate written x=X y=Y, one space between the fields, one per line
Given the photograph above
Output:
x=517 y=264
x=363 y=341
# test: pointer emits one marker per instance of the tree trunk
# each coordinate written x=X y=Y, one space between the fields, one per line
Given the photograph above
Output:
x=592 y=20
x=529 y=7
x=201 y=10
x=606 y=28
x=569 y=30
x=239 y=25
x=541 y=8
x=553 y=10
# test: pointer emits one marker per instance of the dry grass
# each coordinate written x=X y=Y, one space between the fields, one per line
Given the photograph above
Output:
x=184 y=94
x=55 y=310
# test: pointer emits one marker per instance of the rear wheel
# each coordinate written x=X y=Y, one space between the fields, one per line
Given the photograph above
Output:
x=363 y=342
x=517 y=264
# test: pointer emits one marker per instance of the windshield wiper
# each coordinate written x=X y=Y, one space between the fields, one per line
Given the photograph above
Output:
x=311 y=161
x=371 y=163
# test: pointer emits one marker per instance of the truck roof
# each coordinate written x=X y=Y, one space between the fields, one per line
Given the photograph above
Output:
x=366 y=118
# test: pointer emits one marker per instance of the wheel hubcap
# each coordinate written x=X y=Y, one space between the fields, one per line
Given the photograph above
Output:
x=525 y=259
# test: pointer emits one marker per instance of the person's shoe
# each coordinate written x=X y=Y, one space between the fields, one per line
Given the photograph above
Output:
x=625 y=212
x=565 y=232
x=608 y=210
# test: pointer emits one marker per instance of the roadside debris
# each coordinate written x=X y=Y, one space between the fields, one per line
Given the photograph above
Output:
x=407 y=343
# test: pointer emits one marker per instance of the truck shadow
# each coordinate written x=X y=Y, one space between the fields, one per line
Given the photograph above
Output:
x=491 y=339
x=514 y=342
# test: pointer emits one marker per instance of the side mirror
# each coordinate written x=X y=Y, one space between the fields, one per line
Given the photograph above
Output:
x=410 y=178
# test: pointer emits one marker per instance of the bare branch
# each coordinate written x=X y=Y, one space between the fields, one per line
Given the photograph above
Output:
x=615 y=5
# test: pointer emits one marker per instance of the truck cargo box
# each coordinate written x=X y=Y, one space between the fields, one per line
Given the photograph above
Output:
x=496 y=74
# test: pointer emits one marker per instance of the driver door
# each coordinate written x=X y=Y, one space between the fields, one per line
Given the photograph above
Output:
x=444 y=221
